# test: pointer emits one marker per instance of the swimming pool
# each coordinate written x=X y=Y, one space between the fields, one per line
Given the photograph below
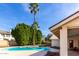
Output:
x=28 y=49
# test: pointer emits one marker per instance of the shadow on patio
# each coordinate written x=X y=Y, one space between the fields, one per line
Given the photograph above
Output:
x=73 y=53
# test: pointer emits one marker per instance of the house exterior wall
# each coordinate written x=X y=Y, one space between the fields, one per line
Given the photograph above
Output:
x=4 y=43
x=1 y=37
x=6 y=37
x=55 y=42
x=6 y=40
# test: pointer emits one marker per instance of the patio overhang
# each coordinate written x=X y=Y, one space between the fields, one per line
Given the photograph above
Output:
x=61 y=31
x=56 y=28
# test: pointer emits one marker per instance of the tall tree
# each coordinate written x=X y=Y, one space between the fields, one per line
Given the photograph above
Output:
x=34 y=9
x=39 y=37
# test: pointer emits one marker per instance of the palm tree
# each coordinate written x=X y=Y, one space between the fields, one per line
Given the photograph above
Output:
x=34 y=9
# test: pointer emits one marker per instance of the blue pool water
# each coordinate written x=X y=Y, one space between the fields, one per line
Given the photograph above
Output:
x=28 y=48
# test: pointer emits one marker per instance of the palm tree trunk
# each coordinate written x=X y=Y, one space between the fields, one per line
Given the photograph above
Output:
x=34 y=37
x=34 y=18
x=34 y=33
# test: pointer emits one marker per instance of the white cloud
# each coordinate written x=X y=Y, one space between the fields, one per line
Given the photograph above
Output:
x=26 y=7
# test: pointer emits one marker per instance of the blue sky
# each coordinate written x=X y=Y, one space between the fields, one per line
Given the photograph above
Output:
x=49 y=14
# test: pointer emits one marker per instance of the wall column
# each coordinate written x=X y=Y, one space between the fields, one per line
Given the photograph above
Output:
x=63 y=42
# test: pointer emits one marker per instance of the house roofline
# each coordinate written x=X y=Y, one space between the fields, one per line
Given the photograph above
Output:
x=4 y=32
x=64 y=19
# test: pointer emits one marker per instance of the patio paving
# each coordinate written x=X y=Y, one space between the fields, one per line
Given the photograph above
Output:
x=44 y=53
x=41 y=53
x=73 y=53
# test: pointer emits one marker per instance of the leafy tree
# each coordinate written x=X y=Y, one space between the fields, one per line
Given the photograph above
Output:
x=21 y=33
x=25 y=34
x=31 y=36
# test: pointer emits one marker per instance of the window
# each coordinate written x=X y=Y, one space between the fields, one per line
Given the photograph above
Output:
x=7 y=35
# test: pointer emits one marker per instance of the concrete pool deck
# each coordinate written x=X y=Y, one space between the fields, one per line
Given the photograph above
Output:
x=22 y=53
x=16 y=53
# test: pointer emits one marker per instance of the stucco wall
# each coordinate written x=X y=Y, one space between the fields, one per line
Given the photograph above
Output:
x=4 y=43
x=55 y=42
